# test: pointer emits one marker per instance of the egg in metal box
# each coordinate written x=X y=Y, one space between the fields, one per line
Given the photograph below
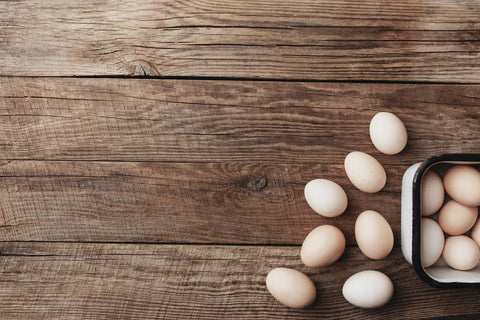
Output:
x=439 y=274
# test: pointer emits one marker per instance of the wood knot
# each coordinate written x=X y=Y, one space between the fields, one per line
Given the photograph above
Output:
x=145 y=68
x=258 y=183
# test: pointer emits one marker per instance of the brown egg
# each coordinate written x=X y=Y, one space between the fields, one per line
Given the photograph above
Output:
x=456 y=219
x=322 y=246
x=462 y=183
x=291 y=287
x=373 y=234
x=461 y=253
x=475 y=234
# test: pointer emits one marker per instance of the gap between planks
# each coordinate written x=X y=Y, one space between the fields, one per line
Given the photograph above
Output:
x=58 y=281
x=293 y=39
x=246 y=79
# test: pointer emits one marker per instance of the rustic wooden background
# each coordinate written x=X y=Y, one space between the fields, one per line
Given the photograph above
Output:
x=153 y=153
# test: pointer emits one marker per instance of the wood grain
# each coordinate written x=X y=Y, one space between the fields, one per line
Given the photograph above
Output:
x=227 y=121
x=405 y=40
x=190 y=161
x=125 y=281
x=129 y=193
x=175 y=202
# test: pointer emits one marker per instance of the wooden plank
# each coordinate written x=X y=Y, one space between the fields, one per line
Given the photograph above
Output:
x=226 y=121
x=191 y=161
x=130 y=281
x=176 y=202
x=402 y=40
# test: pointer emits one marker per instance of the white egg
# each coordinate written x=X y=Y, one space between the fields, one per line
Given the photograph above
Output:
x=291 y=287
x=365 y=172
x=368 y=289
x=388 y=133
x=326 y=197
x=431 y=242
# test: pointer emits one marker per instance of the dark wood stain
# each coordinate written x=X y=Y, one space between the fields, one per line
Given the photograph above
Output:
x=153 y=154
x=292 y=39
x=135 y=281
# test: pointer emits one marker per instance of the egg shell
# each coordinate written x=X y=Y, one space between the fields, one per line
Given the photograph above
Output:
x=431 y=193
x=431 y=242
x=365 y=172
x=368 y=289
x=462 y=183
x=456 y=219
x=291 y=288
x=388 y=133
x=461 y=253
x=475 y=233
x=322 y=246
x=373 y=234
x=326 y=197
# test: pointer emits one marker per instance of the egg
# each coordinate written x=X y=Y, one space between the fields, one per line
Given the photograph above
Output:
x=368 y=289
x=291 y=288
x=322 y=246
x=462 y=183
x=475 y=233
x=456 y=219
x=388 y=133
x=373 y=234
x=461 y=253
x=365 y=172
x=326 y=197
x=431 y=193
x=431 y=242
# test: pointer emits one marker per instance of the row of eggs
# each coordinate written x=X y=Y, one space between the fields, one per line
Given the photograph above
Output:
x=454 y=218
x=325 y=244
x=365 y=289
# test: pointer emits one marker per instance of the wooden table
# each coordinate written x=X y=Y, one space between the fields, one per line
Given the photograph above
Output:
x=154 y=153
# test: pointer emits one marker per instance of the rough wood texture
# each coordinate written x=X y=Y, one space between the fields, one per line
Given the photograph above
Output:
x=128 y=281
x=406 y=40
x=195 y=160
x=169 y=202
x=128 y=197
x=226 y=121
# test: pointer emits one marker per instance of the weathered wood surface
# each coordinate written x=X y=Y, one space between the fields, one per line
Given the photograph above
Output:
x=403 y=40
x=178 y=161
x=135 y=281
x=226 y=121
x=170 y=202
x=172 y=198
